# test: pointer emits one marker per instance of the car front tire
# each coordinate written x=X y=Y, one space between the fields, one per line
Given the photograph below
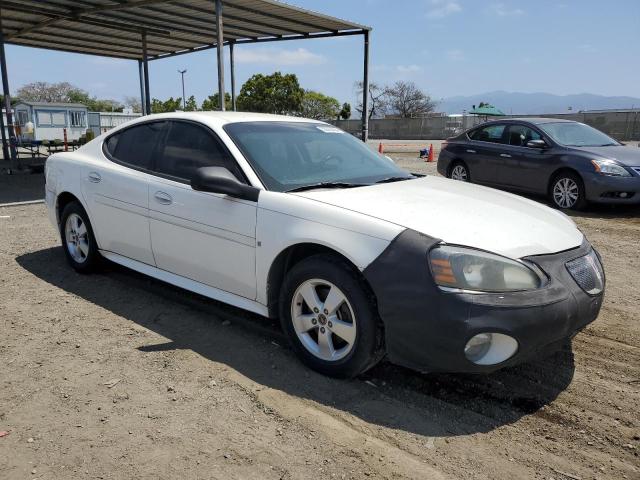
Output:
x=330 y=317
x=78 y=241
x=567 y=191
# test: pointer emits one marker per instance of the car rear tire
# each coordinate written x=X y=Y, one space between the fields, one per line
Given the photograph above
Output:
x=78 y=242
x=459 y=171
x=330 y=317
x=567 y=191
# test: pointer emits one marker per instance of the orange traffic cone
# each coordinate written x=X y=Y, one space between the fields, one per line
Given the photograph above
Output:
x=430 y=153
x=380 y=148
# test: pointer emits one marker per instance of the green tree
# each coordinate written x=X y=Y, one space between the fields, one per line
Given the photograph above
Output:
x=319 y=106
x=275 y=93
x=212 y=102
x=345 y=113
x=170 y=105
x=66 y=92
x=191 y=105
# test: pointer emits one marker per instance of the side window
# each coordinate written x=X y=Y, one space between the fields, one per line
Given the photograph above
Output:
x=189 y=147
x=519 y=135
x=134 y=146
x=491 y=133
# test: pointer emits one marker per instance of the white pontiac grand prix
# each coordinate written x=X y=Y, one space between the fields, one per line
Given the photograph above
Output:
x=293 y=218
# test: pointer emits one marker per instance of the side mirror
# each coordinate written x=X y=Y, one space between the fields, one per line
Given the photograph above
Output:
x=221 y=180
x=536 y=144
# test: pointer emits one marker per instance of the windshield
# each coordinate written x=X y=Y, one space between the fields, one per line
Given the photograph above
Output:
x=572 y=134
x=292 y=155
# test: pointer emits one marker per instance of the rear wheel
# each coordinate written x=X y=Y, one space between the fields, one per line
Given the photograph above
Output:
x=567 y=191
x=330 y=318
x=78 y=241
x=459 y=171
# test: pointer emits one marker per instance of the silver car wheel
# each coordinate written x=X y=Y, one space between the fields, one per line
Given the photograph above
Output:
x=323 y=320
x=459 y=172
x=565 y=192
x=76 y=238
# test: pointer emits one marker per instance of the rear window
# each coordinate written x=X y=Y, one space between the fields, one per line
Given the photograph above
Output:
x=135 y=145
x=491 y=133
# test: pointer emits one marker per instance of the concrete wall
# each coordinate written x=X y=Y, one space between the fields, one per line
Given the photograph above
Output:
x=621 y=125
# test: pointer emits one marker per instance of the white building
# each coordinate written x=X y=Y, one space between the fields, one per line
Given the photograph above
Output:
x=50 y=120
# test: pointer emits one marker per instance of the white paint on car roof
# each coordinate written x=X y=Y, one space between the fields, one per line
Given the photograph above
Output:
x=223 y=118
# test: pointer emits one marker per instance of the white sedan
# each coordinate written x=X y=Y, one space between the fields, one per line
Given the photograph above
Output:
x=293 y=218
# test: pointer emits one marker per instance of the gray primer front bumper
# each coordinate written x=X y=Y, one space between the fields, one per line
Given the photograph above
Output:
x=426 y=329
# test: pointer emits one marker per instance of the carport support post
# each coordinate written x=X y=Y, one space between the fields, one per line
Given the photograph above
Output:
x=11 y=151
x=365 y=89
x=141 y=74
x=233 y=77
x=145 y=64
x=220 y=52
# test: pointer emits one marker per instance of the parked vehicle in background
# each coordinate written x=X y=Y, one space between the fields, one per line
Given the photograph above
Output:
x=570 y=162
x=294 y=218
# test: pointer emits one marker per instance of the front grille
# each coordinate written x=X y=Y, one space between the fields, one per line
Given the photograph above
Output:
x=587 y=272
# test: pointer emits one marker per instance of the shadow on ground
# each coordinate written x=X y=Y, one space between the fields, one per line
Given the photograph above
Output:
x=389 y=396
x=21 y=187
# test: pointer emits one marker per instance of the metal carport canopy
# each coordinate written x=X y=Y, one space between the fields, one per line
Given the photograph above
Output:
x=146 y=30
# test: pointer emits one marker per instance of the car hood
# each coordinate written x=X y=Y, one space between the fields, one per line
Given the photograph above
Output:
x=627 y=156
x=461 y=213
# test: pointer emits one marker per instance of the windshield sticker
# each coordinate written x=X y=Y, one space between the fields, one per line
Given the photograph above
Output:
x=328 y=129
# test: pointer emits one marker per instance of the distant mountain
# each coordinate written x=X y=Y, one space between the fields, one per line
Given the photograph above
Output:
x=531 y=103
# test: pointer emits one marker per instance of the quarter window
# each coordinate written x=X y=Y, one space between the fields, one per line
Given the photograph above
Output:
x=519 y=135
x=491 y=133
x=135 y=146
x=189 y=147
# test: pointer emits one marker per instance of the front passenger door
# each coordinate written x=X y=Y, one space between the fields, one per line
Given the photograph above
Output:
x=206 y=237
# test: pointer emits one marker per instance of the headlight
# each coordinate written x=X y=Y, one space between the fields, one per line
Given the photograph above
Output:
x=468 y=269
x=609 y=167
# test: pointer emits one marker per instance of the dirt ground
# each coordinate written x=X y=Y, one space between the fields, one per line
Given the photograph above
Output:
x=116 y=376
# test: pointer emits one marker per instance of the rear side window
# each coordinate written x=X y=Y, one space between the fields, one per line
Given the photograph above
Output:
x=491 y=133
x=135 y=146
x=188 y=147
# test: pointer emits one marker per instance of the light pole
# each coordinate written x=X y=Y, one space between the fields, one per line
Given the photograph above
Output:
x=184 y=99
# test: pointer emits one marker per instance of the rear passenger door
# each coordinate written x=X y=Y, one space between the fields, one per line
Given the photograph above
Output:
x=206 y=237
x=483 y=155
x=526 y=168
x=116 y=191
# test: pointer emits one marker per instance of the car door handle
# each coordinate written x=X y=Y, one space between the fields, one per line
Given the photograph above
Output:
x=94 y=177
x=471 y=151
x=163 y=198
x=505 y=155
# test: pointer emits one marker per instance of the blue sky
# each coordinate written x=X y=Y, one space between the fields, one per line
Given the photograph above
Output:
x=448 y=47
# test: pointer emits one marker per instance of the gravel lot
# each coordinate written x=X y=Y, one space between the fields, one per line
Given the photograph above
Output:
x=116 y=376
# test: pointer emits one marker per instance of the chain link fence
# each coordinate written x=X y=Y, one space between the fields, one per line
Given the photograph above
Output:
x=622 y=125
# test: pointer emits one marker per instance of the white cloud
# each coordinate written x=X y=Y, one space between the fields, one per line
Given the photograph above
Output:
x=413 y=68
x=455 y=54
x=109 y=62
x=588 y=48
x=443 y=8
x=404 y=69
x=299 y=56
x=502 y=10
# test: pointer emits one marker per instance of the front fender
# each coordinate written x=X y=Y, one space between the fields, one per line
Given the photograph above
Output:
x=285 y=220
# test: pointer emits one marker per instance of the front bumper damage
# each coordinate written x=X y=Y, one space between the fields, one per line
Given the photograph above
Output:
x=426 y=329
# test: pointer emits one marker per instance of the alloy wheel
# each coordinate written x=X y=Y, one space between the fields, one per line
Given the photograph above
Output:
x=76 y=238
x=459 y=172
x=565 y=192
x=323 y=320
